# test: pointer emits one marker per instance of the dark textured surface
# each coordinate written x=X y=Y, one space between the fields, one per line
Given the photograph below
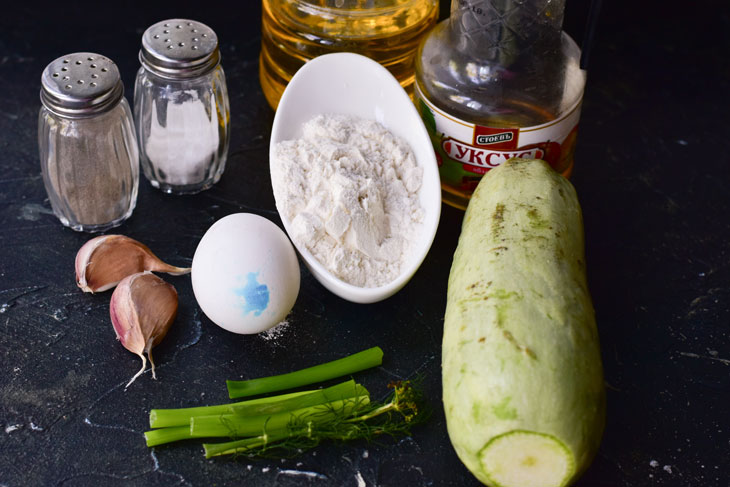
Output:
x=652 y=176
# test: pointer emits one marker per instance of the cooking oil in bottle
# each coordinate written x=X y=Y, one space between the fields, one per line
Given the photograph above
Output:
x=498 y=79
x=295 y=31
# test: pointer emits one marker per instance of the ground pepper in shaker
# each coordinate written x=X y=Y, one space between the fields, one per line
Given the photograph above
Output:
x=181 y=107
x=87 y=145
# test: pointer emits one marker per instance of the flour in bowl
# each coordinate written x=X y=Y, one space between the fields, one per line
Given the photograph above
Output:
x=350 y=188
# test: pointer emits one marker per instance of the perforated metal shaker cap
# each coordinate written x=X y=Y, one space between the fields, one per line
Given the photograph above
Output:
x=81 y=84
x=179 y=48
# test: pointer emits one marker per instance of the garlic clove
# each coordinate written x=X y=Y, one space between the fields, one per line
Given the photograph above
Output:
x=105 y=260
x=142 y=308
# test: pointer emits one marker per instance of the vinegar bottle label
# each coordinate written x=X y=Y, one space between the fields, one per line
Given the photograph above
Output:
x=465 y=151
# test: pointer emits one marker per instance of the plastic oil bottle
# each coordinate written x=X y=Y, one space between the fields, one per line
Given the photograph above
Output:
x=498 y=79
x=295 y=31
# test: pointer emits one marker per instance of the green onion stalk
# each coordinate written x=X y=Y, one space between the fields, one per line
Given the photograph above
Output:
x=366 y=359
x=234 y=419
x=163 y=418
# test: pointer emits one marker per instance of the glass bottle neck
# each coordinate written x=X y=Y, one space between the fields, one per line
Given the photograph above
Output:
x=503 y=31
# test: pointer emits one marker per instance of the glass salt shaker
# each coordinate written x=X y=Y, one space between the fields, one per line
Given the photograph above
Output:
x=87 y=145
x=181 y=107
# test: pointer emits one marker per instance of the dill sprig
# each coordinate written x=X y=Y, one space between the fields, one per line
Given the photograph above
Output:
x=393 y=417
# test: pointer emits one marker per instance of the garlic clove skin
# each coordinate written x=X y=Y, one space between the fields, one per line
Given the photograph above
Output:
x=142 y=309
x=105 y=260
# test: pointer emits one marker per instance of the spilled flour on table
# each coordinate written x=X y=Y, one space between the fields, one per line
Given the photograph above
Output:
x=276 y=332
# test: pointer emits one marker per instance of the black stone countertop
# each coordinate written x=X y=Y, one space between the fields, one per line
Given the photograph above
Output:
x=652 y=177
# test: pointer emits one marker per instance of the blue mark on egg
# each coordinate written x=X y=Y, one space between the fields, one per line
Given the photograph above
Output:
x=254 y=294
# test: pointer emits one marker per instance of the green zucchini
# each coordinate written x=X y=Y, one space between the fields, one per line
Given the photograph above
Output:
x=522 y=377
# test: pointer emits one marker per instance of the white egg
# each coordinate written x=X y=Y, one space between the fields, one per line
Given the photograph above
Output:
x=245 y=274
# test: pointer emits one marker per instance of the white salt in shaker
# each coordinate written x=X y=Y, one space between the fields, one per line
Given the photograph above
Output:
x=181 y=107
x=88 y=150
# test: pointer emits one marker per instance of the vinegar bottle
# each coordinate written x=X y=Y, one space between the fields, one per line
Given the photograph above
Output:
x=498 y=79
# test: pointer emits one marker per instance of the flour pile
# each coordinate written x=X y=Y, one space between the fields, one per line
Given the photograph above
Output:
x=350 y=187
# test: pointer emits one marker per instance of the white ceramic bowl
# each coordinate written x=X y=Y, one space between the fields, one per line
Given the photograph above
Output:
x=351 y=84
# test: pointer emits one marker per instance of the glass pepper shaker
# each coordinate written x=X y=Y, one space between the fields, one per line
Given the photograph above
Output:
x=87 y=145
x=181 y=107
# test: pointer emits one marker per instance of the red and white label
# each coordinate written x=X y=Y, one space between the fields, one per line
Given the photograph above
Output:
x=481 y=160
x=479 y=148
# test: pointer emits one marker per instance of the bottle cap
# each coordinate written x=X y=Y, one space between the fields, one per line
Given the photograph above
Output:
x=179 y=48
x=80 y=85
